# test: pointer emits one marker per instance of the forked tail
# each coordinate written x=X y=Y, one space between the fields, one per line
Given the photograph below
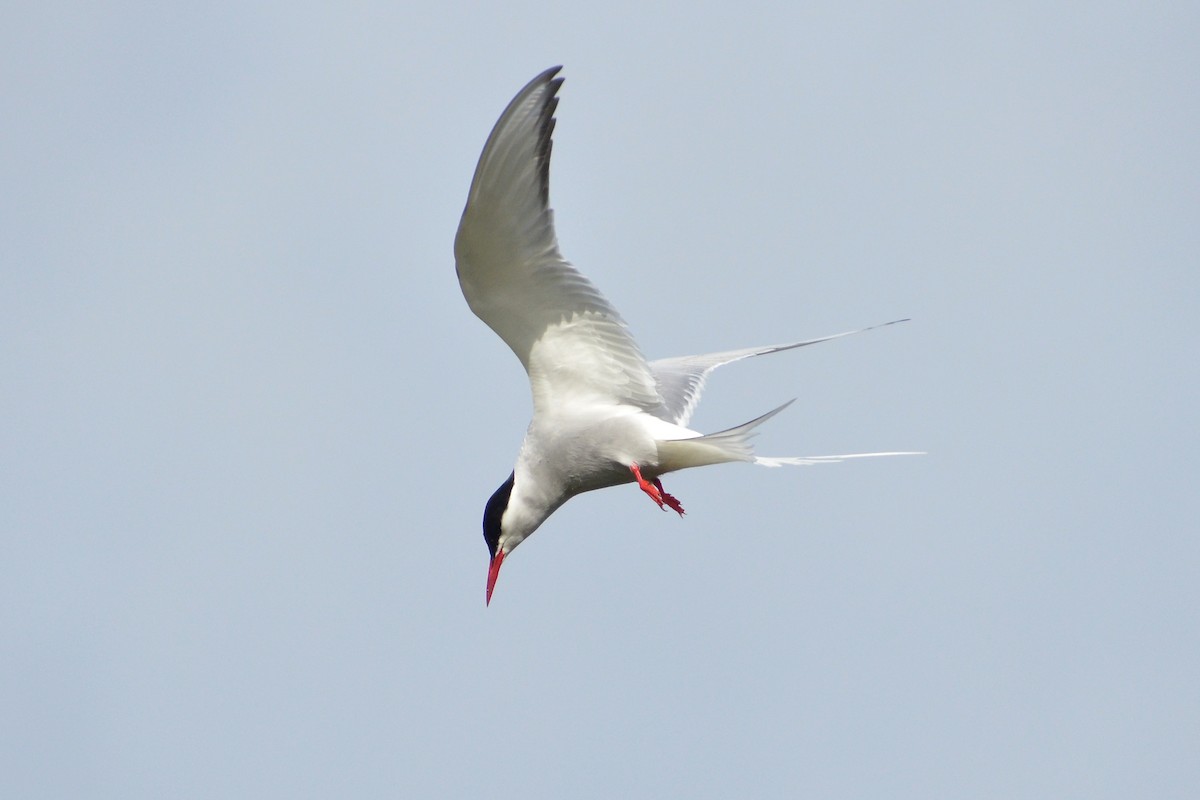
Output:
x=801 y=461
x=734 y=445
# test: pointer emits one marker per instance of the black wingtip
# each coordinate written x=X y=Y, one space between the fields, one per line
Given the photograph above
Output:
x=546 y=130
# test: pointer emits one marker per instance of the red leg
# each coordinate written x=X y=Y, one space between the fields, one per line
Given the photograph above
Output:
x=646 y=486
x=655 y=490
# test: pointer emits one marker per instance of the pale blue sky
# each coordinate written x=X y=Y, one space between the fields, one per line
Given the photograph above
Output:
x=250 y=424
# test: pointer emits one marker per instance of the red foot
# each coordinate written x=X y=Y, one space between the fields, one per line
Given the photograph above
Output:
x=669 y=499
x=655 y=490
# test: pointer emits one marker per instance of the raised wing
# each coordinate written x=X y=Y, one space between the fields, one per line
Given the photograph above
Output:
x=681 y=380
x=572 y=342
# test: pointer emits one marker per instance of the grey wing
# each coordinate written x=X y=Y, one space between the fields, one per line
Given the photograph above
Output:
x=681 y=380
x=569 y=338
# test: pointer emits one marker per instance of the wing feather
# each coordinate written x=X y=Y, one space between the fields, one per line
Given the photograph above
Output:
x=681 y=380
x=569 y=338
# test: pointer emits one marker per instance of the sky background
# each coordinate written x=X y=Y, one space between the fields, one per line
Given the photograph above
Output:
x=249 y=424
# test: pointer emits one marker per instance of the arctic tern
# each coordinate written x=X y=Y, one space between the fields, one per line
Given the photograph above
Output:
x=602 y=414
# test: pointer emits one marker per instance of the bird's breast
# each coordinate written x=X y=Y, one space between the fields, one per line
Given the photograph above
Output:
x=593 y=450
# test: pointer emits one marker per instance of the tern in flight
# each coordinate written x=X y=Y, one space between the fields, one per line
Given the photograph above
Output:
x=602 y=414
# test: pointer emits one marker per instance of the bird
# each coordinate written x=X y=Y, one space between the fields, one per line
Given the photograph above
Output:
x=602 y=414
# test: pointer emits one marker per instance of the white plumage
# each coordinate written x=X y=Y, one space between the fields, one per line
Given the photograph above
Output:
x=602 y=414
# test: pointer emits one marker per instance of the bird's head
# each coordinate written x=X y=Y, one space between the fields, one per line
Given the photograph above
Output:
x=508 y=519
x=493 y=531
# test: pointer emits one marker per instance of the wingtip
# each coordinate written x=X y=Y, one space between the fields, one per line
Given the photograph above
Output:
x=885 y=324
x=548 y=76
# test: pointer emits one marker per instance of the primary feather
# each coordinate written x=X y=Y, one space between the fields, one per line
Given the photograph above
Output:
x=681 y=380
x=570 y=339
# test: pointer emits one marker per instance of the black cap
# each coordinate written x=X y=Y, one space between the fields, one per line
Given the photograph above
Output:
x=493 y=512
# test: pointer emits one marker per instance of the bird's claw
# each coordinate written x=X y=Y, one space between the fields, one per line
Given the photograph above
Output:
x=654 y=489
x=669 y=499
